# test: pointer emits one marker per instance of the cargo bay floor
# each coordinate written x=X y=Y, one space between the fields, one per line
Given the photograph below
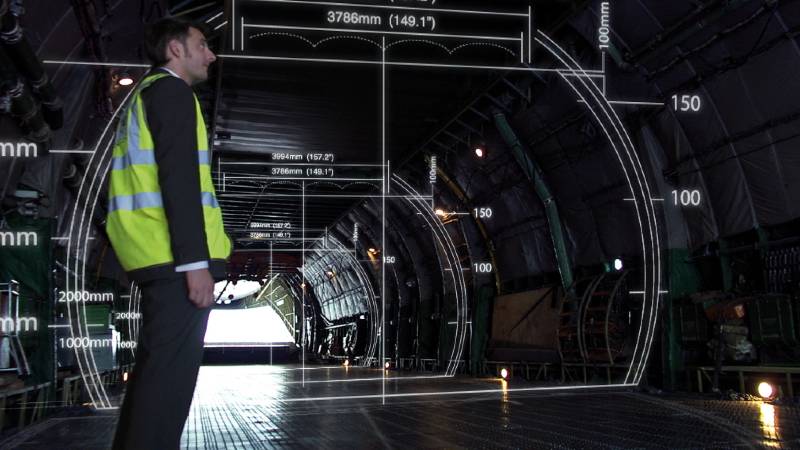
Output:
x=264 y=407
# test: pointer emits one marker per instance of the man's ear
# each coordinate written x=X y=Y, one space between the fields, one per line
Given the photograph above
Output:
x=174 y=49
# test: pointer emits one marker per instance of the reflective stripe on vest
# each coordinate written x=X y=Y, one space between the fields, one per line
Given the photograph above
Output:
x=152 y=200
x=137 y=223
x=137 y=156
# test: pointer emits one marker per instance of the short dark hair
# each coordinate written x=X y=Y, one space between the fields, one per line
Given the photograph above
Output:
x=158 y=34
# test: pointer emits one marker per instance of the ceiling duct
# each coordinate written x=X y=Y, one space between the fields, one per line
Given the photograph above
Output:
x=17 y=58
x=18 y=100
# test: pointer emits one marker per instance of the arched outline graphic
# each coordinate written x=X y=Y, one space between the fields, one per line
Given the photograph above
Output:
x=578 y=79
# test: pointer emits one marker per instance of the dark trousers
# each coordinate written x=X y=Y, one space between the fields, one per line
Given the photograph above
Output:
x=168 y=357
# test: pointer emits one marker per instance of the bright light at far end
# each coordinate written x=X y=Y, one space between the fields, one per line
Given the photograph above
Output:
x=125 y=81
x=504 y=373
x=125 y=376
x=386 y=365
x=479 y=152
x=617 y=264
x=440 y=212
x=251 y=326
x=765 y=390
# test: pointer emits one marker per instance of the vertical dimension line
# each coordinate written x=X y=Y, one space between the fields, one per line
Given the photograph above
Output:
x=384 y=169
x=241 y=30
x=217 y=184
x=303 y=283
x=530 y=36
x=271 y=293
x=433 y=205
x=521 y=47
x=604 y=73
x=233 y=25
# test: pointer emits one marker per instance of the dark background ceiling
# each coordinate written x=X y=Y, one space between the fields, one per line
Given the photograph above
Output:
x=739 y=56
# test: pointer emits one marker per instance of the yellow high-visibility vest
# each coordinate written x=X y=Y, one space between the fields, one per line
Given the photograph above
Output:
x=137 y=223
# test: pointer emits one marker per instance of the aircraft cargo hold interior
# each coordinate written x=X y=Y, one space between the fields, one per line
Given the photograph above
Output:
x=257 y=224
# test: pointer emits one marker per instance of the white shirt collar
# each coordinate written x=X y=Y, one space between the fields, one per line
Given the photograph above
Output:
x=170 y=71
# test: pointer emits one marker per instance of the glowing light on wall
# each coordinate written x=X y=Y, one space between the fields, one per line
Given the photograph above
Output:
x=125 y=79
x=765 y=390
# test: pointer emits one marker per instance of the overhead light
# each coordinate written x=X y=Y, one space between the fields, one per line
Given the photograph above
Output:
x=124 y=376
x=504 y=373
x=362 y=317
x=617 y=264
x=480 y=152
x=124 y=79
x=372 y=251
x=386 y=365
x=765 y=390
x=346 y=362
x=440 y=212
x=303 y=285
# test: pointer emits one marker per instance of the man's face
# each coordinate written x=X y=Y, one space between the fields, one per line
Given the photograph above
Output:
x=196 y=56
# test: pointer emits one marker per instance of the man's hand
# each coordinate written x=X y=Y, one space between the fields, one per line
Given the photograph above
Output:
x=201 y=287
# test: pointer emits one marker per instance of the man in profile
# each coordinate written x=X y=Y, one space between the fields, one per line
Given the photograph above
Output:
x=165 y=226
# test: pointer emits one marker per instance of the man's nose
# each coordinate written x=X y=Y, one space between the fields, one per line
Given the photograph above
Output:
x=211 y=57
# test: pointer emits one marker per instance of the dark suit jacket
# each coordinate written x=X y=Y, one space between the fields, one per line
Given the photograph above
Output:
x=171 y=117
